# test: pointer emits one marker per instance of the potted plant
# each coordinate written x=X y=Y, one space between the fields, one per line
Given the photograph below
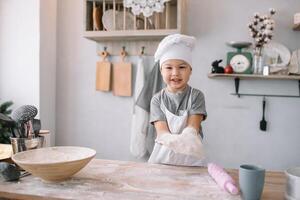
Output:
x=5 y=132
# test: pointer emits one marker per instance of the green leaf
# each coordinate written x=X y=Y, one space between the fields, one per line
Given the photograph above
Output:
x=5 y=133
x=4 y=107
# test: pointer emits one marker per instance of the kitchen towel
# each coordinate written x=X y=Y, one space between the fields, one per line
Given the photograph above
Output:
x=153 y=84
x=140 y=118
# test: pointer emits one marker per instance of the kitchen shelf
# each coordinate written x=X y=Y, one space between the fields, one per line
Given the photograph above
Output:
x=296 y=27
x=238 y=77
x=127 y=27
x=100 y=36
x=254 y=76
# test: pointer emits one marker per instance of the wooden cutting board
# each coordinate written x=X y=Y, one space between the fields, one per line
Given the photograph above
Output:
x=97 y=15
x=103 y=73
x=122 y=77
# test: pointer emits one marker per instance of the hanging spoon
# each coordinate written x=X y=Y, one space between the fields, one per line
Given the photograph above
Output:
x=263 y=122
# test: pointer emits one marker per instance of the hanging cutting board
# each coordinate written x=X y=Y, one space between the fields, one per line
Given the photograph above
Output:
x=103 y=73
x=122 y=77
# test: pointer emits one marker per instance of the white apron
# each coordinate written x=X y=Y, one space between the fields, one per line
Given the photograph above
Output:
x=176 y=124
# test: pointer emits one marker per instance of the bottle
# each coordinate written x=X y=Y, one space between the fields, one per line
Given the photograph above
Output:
x=222 y=178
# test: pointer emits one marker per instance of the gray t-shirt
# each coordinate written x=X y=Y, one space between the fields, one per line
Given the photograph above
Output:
x=176 y=103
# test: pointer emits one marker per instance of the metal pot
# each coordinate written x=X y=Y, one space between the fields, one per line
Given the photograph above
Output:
x=292 y=191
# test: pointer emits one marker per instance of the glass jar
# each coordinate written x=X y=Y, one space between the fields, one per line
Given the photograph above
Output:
x=258 y=61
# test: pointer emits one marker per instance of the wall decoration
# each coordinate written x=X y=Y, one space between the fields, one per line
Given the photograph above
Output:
x=261 y=29
x=147 y=7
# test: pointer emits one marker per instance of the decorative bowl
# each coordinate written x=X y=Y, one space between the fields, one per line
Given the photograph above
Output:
x=54 y=164
x=292 y=190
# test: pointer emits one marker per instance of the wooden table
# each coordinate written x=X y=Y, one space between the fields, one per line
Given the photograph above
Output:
x=107 y=179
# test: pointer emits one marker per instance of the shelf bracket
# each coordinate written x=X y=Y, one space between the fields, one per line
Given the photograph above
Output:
x=237 y=84
x=299 y=86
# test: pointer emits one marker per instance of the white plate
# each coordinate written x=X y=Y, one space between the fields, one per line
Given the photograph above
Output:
x=277 y=55
x=107 y=20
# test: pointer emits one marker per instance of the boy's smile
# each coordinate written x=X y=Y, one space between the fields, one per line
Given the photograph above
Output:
x=176 y=81
x=176 y=74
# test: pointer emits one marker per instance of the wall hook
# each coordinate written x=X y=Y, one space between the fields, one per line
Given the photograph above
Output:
x=104 y=54
x=143 y=50
x=123 y=54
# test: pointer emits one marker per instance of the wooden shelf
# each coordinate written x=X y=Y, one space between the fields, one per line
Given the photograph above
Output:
x=296 y=27
x=238 y=77
x=254 y=76
x=129 y=34
x=155 y=27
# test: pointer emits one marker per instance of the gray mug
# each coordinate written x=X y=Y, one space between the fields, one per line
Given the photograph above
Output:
x=251 y=180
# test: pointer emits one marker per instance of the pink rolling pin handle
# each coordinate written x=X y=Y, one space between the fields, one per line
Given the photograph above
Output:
x=224 y=180
x=231 y=188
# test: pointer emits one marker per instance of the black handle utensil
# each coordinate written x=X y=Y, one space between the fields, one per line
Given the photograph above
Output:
x=36 y=126
x=263 y=122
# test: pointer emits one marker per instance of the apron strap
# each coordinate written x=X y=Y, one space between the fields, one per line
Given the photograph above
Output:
x=162 y=104
x=190 y=100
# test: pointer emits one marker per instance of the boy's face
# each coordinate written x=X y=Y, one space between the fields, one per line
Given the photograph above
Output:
x=176 y=74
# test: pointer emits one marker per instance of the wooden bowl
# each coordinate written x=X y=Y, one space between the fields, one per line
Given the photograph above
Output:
x=54 y=164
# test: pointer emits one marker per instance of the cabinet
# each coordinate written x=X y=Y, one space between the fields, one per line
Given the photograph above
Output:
x=238 y=77
x=109 y=20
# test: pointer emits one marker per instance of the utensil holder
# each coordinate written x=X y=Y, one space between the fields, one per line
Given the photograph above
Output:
x=24 y=144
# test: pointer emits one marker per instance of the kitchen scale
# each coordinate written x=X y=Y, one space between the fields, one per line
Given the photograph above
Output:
x=240 y=61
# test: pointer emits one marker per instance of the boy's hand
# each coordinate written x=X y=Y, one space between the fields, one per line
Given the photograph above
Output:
x=167 y=139
x=190 y=143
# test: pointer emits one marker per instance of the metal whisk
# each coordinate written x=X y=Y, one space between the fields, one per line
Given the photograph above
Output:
x=22 y=115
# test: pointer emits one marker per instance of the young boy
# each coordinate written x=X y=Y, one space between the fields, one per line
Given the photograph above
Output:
x=178 y=110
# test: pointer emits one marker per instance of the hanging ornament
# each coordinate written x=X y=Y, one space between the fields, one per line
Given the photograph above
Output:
x=147 y=7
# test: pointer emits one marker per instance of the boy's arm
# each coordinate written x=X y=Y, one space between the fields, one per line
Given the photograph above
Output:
x=161 y=127
x=195 y=121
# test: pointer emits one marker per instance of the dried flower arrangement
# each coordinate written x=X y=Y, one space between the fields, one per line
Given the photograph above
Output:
x=261 y=30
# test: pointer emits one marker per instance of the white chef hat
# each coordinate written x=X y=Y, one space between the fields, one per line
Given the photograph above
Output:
x=175 y=46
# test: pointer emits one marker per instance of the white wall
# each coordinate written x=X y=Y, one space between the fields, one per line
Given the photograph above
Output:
x=232 y=136
x=19 y=52
x=232 y=127
x=48 y=13
x=28 y=56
